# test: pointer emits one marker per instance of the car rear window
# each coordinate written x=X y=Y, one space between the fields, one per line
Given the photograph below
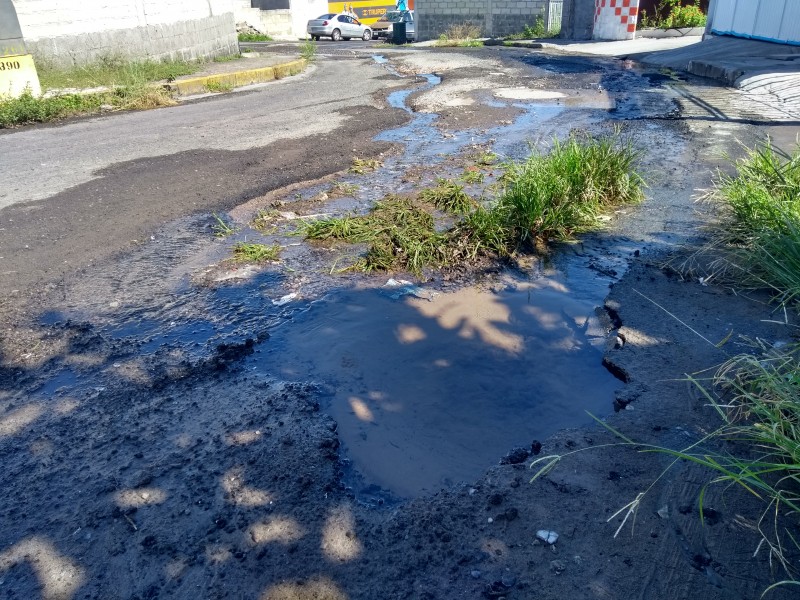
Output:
x=327 y=16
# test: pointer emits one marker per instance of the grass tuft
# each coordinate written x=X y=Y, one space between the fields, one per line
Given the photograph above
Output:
x=449 y=197
x=255 y=253
x=308 y=50
x=254 y=37
x=758 y=239
x=462 y=35
x=473 y=175
x=221 y=228
x=361 y=166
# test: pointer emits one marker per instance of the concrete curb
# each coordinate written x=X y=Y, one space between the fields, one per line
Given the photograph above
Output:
x=651 y=32
x=199 y=85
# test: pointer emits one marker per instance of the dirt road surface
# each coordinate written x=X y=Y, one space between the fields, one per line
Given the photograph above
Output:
x=177 y=425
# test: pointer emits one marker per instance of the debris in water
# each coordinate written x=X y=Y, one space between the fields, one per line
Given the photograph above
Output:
x=663 y=512
x=285 y=299
x=549 y=537
x=401 y=288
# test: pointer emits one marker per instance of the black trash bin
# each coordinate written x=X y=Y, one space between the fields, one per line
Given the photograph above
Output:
x=399 y=33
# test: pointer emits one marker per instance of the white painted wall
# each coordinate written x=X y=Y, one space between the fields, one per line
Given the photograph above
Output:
x=51 y=18
x=80 y=31
x=303 y=11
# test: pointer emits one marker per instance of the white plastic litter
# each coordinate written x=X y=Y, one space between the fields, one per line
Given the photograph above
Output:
x=285 y=299
x=548 y=537
x=401 y=287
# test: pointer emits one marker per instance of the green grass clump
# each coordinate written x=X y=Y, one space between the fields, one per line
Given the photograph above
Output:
x=462 y=35
x=31 y=109
x=760 y=238
x=548 y=197
x=536 y=31
x=557 y=195
x=400 y=235
x=254 y=37
x=361 y=166
x=473 y=175
x=341 y=188
x=255 y=253
x=308 y=50
x=218 y=86
x=449 y=197
x=114 y=71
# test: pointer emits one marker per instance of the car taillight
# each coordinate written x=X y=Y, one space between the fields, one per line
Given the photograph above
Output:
x=324 y=23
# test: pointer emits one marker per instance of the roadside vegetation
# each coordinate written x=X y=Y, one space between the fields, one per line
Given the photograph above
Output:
x=755 y=245
x=254 y=37
x=308 y=50
x=674 y=14
x=125 y=85
x=536 y=31
x=463 y=35
x=549 y=197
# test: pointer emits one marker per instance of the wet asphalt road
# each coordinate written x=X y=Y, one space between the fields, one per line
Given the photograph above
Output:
x=75 y=193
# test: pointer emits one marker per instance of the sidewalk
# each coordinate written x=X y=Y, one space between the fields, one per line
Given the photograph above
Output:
x=750 y=65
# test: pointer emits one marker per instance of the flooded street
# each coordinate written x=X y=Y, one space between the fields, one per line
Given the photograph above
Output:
x=187 y=424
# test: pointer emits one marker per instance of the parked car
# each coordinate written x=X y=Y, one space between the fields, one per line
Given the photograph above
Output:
x=338 y=26
x=383 y=28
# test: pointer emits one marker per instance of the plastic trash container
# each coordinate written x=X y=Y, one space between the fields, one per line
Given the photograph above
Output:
x=399 y=33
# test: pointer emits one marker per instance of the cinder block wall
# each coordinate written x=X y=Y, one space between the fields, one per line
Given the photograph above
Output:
x=496 y=18
x=82 y=31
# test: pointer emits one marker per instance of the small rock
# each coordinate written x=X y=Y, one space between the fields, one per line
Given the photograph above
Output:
x=663 y=512
x=496 y=499
x=557 y=566
x=475 y=574
x=536 y=447
x=511 y=514
x=490 y=520
x=547 y=536
x=515 y=457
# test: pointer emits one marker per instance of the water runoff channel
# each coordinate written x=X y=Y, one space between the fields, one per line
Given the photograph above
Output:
x=428 y=387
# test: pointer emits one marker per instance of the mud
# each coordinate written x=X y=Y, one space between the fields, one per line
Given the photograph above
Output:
x=175 y=425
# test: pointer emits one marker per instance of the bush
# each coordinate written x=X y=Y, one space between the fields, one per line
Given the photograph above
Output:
x=671 y=14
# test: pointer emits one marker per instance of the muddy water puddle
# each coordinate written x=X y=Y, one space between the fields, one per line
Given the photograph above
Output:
x=428 y=392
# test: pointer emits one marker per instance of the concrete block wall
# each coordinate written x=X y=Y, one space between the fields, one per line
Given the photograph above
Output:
x=495 y=18
x=78 y=32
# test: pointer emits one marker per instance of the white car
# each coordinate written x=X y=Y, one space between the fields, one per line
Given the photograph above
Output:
x=383 y=28
x=339 y=26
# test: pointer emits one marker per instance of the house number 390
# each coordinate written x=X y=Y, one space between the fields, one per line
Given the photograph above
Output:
x=9 y=65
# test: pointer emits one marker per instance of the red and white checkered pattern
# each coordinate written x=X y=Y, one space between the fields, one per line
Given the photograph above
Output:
x=621 y=14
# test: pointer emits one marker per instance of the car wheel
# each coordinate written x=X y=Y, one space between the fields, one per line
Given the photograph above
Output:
x=336 y=35
x=367 y=35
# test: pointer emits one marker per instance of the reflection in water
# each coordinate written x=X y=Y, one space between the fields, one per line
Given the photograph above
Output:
x=427 y=393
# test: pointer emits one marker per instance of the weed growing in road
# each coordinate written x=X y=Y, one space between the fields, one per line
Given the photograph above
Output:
x=215 y=86
x=221 y=228
x=308 y=50
x=473 y=175
x=265 y=221
x=361 y=166
x=339 y=189
x=554 y=196
x=547 y=197
x=486 y=159
x=255 y=253
x=400 y=234
x=254 y=37
x=449 y=197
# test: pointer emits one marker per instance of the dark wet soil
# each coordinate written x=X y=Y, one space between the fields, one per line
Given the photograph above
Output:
x=173 y=425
